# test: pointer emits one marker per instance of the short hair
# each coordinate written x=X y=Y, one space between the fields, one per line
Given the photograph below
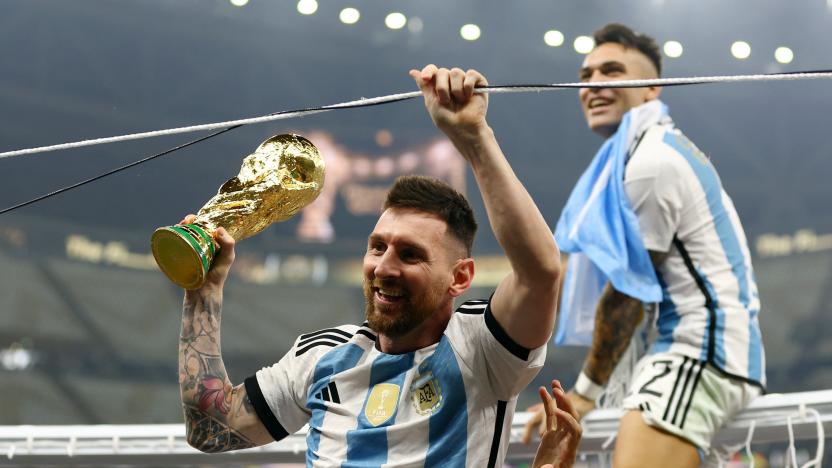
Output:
x=436 y=197
x=620 y=34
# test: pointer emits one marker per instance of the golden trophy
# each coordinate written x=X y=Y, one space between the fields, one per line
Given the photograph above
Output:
x=284 y=174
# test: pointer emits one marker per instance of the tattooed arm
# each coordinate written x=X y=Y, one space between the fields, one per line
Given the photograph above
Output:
x=218 y=416
x=616 y=319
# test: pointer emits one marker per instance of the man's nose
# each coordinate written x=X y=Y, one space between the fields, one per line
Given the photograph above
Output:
x=387 y=266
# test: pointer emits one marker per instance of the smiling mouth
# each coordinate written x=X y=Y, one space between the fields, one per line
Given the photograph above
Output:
x=598 y=104
x=388 y=296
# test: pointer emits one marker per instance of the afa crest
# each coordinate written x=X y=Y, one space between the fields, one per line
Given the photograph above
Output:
x=426 y=394
x=382 y=403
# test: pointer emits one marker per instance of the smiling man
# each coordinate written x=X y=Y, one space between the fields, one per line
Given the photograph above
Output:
x=420 y=383
x=706 y=360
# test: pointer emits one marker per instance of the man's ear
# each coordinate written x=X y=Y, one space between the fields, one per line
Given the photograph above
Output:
x=463 y=275
x=653 y=92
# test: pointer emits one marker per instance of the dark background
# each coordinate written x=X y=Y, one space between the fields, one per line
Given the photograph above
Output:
x=101 y=338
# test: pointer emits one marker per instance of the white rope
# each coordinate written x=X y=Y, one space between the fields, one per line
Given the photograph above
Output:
x=402 y=96
x=791 y=461
x=752 y=462
x=816 y=462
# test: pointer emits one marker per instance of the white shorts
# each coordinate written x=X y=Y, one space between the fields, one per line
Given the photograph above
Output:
x=686 y=397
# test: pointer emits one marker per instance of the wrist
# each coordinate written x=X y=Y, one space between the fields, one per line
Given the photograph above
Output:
x=587 y=388
x=471 y=142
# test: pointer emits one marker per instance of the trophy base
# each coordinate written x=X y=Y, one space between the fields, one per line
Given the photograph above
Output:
x=183 y=253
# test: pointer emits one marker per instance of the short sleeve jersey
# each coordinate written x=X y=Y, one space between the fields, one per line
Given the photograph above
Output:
x=449 y=404
x=710 y=305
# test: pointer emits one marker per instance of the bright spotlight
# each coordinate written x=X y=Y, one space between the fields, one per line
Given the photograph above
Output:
x=784 y=55
x=239 y=3
x=583 y=44
x=553 y=38
x=307 y=7
x=741 y=50
x=470 y=32
x=395 y=20
x=349 y=15
x=673 y=49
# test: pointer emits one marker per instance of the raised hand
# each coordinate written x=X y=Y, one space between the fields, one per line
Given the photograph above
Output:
x=451 y=101
x=562 y=431
x=537 y=421
x=222 y=262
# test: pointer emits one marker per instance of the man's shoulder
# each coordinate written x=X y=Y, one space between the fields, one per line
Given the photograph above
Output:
x=662 y=140
x=322 y=341
x=473 y=307
x=658 y=153
x=463 y=318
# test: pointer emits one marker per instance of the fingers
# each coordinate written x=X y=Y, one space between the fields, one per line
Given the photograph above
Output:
x=224 y=239
x=449 y=85
x=225 y=256
x=188 y=219
x=424 y=76
x=533 y=422
x=550 y=408
x=442 y=85
x=473 y=79
x=561 y=400
x=457 y=79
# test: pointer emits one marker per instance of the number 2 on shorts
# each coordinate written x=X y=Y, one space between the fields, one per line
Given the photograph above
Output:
x=666 y=368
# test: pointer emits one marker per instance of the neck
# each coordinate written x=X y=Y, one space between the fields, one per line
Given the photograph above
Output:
x=427 y=333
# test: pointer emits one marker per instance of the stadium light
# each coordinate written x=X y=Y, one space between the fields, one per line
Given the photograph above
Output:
x=307 y=7
x=395 y=20
x=553 y=38
x=741 y=50
x=583 y=44
x=673 y=49
x=349 y=15
x=470 y=32
x=784 y=55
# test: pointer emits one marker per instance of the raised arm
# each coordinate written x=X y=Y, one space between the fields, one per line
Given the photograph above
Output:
x=525 y=301
x=218 y=416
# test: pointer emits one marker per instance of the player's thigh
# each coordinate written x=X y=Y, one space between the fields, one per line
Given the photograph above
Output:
x=640 y=445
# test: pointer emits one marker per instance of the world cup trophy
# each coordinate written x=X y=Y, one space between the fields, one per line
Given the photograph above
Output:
x=284 y=174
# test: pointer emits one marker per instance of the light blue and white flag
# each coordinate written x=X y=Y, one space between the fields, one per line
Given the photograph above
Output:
x=599 y=230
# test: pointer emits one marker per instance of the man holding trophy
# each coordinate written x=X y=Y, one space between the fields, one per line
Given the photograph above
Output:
x=419 y=383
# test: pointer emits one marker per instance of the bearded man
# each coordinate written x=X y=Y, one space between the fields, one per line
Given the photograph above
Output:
x=420 y=383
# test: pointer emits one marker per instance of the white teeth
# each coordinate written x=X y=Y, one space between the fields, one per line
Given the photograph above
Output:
x=597 y=102
x=390 y=293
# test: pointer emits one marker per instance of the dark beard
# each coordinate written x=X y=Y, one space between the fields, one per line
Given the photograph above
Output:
x=410 y=316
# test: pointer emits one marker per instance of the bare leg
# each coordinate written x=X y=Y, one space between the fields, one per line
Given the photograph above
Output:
x=643 y=446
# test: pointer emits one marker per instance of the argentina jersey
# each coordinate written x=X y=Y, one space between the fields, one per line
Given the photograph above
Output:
x=449 y=404
x=710 y=305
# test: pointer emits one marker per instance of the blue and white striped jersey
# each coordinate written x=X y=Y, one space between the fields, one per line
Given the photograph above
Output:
x=449 y=404
x=710 y=304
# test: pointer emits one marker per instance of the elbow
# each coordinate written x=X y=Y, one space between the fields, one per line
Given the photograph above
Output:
x=548 y=277
x=551 y=266
x=205 y=444
x=553 y=271
x=200 y=435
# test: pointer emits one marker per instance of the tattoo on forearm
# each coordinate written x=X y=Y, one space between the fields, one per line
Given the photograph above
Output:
x=616 y=320
x=207 y=393
x=209 y=434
